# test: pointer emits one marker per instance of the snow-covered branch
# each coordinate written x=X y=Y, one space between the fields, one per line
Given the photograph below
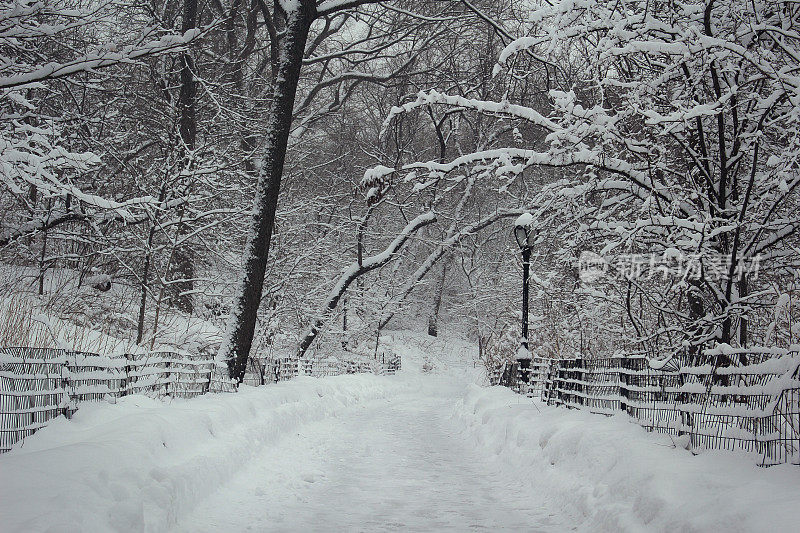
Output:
x=106 y=57
x=357 y=269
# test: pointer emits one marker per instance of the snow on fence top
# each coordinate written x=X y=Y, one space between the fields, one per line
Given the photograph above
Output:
x=725 y=399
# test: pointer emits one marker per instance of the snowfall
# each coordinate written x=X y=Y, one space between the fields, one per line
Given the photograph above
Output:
x=418 y=451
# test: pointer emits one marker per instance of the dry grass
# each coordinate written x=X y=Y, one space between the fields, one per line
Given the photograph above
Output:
x=22 y=323
x=84 y=319
x=18 y=326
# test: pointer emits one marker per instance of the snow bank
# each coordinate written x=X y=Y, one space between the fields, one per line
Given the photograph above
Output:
x=141 y=464
x=609 y=474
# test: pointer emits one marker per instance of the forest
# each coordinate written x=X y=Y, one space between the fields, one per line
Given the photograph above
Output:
x=242 y=178
x=399 y=265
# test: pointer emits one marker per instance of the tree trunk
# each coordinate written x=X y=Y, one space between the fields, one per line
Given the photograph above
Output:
x=43 y=256
x=186 y=97
x=148 y=259
x=743 y=288
x=143 y=282
x=183 y=271
x=244 y=312
x=184 y=267
x=694 y=298
x=433 y=320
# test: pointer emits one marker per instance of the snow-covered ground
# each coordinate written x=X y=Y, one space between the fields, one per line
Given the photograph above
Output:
x=76 y=316
x=609 y=474
x=393 y=464
x=142 y=464
x=420 y=451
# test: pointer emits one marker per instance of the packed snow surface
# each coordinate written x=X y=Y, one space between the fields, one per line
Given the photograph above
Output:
x=391 y=464
x=412 y=452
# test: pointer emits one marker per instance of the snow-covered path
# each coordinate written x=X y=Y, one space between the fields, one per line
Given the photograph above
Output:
x=385 y=465
x=411 y=452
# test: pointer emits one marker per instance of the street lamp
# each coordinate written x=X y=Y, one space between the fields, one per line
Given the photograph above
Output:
x=525 y=234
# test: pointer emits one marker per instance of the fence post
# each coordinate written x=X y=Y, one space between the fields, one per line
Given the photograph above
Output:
x=127 y=379
x=622 y=380
x=65 y=387
x=207 y=386
x=169 y=375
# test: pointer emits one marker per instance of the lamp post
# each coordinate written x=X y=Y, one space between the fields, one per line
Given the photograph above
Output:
x=524 y=235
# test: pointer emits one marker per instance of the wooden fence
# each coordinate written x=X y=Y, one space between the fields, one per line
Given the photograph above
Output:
x=283 y=368
x=39 y=384
x=734 y=400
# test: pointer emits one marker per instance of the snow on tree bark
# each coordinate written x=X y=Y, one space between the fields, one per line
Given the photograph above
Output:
x=241 y=328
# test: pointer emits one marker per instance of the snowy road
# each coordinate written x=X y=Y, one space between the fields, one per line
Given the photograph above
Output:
x=384 y=465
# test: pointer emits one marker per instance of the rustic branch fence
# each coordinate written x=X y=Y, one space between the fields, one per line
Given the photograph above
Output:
x=282 y=368
x=39 y=384
x=734 y=400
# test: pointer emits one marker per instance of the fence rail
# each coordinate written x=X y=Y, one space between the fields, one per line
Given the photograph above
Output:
x=734 y=400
